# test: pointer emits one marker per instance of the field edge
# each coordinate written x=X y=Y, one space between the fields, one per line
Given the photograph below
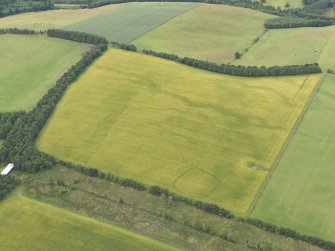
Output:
x=285 y=145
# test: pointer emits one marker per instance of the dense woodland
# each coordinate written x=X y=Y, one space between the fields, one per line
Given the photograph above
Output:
x=7 y=121
x=7 y=184
x=247 y=71
x=11 y=7
x=295 y=22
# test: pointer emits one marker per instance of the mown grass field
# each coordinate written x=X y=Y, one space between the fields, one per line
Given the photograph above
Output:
x=131 y=20
x=194 y=132
x=300 y=195
x=301 y=46
x=27 y=224
x=30 y=65
x=51 y=19
x=212 y=32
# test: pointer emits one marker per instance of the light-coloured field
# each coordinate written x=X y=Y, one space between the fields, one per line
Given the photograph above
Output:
x=300 y=195
x=207 y=136
x=131 y=20
x=30 y=65
x=282 y=3
x=27 y=224
x=51 y=19
x=212 y=32
x=293 y=46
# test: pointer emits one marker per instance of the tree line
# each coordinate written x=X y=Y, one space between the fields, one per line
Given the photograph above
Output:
x=78 y=36
x=11 y=7
x=287 y=232
x=295 y=22
x=19 y=145
x=246 y=71
x=18 y=31
x=207 y=207
x=123 y=46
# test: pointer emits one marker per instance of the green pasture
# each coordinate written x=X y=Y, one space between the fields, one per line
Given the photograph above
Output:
x=52 y=18
x=300 y=194
x=212 y=32
x=27 y=224
x=30 y=65
x=203 y=135
x=131 y=20
x=293 y=46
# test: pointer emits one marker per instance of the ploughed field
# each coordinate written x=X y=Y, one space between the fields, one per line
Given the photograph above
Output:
x=129 y=21
x=207 y=136
x=300 y=194
x=30 y=65
x=293 y=46
x=27 y=224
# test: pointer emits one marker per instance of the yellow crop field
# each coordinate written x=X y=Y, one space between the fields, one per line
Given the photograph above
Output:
x=207 y=136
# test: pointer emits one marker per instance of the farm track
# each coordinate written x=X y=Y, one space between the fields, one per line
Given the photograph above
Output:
x=284 y=147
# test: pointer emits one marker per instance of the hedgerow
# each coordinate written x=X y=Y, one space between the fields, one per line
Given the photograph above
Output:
x=19 y=145
x=238 y=70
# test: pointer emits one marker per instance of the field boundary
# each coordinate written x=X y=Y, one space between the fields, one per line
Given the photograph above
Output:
x=20 y=142
x=168 y=20
x=285 y=145
x=255 y=41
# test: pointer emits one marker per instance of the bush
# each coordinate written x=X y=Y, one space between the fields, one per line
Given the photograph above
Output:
x=237 y=55
x=128 y=47
x=158 y=191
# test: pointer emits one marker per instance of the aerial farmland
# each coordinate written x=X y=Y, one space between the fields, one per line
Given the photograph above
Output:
x=162 y=125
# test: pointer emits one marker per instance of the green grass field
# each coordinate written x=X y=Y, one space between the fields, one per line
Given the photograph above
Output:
x=300 y=195
x=27 y=224
x=188 y=130
x=30 y=65
x=131 y=20
x=301 y=46
x=212 y=32
x=51 y=19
